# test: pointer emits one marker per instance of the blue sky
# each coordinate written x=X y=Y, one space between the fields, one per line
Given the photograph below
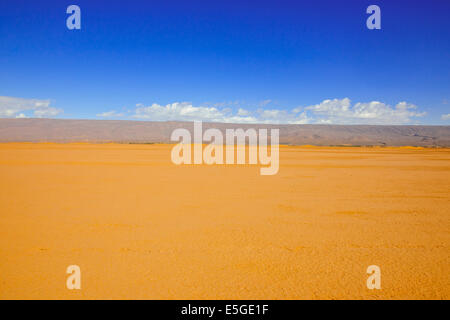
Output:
x=233 y=61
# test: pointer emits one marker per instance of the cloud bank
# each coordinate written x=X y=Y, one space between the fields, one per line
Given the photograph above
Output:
x=184 y=111
x=340 y=111
x=11 y=107
x=335 y=111
x=330 y=111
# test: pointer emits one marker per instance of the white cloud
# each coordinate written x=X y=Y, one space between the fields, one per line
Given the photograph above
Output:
x=336 y=111
x=178 y=111
x=110 y=114
x=340 y=111
x=243 y=112
x=11 y=107
x=46 y=112
x=184 y=111
x=445 y=116
x=265 y=102
x=278 y=116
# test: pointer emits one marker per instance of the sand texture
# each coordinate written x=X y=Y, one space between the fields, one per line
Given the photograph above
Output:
x=141 y=227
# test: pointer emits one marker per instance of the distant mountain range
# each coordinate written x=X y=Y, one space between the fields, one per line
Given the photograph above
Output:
x=123 y=131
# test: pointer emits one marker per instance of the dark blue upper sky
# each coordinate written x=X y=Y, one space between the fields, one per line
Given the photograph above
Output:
x=253 y=55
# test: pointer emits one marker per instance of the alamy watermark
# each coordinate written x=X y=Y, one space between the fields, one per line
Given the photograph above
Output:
x=374 y=279
x=73 y=22
x=216 y=152
x=74 y=280
x=374 y=20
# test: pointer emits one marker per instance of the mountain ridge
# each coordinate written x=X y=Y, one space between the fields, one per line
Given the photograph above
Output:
x=129 y=131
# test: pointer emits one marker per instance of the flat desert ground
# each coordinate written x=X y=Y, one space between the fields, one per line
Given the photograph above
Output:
x=141 y=227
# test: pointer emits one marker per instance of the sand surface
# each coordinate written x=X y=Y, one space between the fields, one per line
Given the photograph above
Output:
x=142 y=227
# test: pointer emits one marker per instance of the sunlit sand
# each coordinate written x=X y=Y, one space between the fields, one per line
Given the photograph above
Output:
x=141 y=227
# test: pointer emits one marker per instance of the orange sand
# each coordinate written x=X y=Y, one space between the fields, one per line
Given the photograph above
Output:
x=141 y=227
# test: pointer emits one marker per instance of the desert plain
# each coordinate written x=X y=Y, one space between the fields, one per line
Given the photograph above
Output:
x=141 y=227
